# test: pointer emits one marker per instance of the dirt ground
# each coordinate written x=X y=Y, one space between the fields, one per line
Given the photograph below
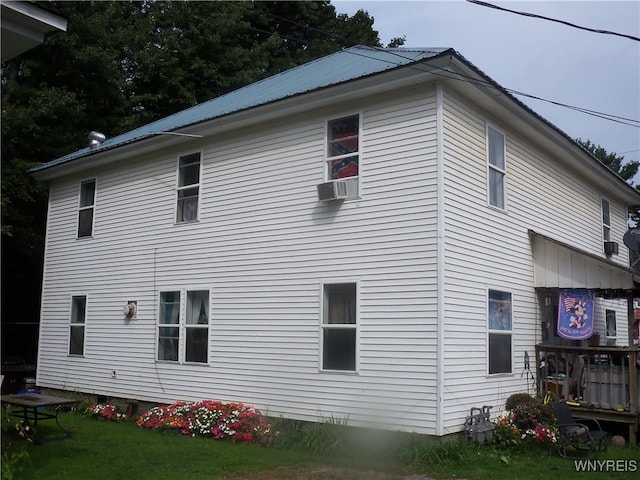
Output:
x=323 y=472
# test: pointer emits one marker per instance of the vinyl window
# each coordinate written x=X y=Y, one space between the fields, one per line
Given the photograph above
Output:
x=339 y=326
x=183 y=334
x=197 y=326
x=86 y=206
x=500 y=332
x=77 y=325
x=188 y=190
x=497 y=169
x=343 y=148
x=606 y=220
x=169 y=326
x=611 y=327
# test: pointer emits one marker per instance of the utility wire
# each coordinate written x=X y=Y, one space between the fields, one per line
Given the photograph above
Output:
x=444 y=73
x=533 y=15
x=483 y=83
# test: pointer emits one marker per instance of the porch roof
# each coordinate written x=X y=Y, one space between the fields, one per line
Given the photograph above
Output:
x=560 y=265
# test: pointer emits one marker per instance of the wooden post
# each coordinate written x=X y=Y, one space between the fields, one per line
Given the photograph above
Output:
x=633 y=357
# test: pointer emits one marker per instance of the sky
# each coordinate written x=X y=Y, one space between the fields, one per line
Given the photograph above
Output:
x=553 y=61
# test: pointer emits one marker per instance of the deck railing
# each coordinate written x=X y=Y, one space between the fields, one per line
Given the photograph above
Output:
x=603 y=378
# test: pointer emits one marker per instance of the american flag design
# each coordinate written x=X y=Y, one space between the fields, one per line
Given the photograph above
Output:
x=575 y=315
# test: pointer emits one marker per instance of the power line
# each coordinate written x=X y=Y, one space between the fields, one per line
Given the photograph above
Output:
x=533 y=15
x=465 y=78
x=475 y=81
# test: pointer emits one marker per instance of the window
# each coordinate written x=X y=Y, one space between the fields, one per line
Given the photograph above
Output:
x=77 y=324
x=343 y=147
x=197 y=326
x=188 y=187
x=169 y=328
x=611 y=327
x=500 y=332
x=497 y=167
x=606 y=220
x=85 y=209
x=339 y=327
x=193 y=327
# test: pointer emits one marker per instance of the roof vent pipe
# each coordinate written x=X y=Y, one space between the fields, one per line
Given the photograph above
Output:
x=96 y=139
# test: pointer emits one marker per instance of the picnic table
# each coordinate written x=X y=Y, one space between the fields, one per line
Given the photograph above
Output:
x=32 y=408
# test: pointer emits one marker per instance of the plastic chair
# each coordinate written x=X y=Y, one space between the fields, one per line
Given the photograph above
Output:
x=577 y=434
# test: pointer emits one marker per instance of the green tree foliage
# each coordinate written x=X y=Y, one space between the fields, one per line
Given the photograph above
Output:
x=123 y=64
x=626 y=170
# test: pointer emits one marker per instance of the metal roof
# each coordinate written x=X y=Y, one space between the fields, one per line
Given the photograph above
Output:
x=343 y=66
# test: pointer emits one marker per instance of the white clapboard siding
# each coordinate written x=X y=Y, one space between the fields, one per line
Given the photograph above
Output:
x=490 y=249
x=263 y=245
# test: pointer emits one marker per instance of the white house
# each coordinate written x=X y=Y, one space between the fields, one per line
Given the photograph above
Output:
x=376 y=234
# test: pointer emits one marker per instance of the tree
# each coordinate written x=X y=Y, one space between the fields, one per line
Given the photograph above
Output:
x=121 y=65
x=626 y=170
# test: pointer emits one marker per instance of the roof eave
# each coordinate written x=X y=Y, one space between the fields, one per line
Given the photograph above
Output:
x=548 y=134
x=340 y=93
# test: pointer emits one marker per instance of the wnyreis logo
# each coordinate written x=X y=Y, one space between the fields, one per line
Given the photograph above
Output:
x=606 y=465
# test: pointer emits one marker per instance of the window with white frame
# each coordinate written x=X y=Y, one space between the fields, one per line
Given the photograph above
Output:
x=343 y=148
x=77 y=324
x=188 y=190
x=611 y=327
x=184 y=336
x=197 y=326
x=86 y=206
x=606 y=220
x=169 y=326
x=339 y=326
x=500 y=332
x=497 y=169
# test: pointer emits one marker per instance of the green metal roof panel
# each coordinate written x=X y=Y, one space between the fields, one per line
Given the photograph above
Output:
x=343 y=66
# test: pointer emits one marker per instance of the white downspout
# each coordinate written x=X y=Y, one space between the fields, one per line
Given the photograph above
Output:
x=440 y=347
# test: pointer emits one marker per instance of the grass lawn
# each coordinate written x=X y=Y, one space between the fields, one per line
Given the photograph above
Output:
x=103 y=450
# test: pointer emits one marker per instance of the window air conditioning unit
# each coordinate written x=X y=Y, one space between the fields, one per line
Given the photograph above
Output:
x=336 y=190
x=611 y=248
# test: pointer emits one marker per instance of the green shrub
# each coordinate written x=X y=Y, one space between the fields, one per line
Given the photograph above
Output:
x=14 y=455
x=529 y=420
x=517 y=399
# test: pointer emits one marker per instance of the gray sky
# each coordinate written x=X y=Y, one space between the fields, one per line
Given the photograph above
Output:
x=553 y=61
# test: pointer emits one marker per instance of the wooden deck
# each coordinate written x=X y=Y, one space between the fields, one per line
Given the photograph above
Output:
x=598 y=382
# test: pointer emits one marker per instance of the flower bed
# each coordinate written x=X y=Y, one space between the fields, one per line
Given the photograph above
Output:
x=529 y=421
x=106 y=411
x=236 y=421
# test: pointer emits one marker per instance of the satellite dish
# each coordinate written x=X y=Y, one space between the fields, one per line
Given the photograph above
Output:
x=632 y=239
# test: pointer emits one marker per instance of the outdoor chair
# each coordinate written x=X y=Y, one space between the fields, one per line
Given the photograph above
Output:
x=577 y=434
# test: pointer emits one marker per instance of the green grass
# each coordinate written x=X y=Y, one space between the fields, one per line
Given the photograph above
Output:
x=103 y=450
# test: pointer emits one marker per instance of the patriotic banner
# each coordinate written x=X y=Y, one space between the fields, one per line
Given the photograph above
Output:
x=575 y=313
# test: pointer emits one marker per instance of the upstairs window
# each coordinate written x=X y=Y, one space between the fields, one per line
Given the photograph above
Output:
x=86 y=207
x=606 y=220
x=500 y=332
x=497 y=169
x=188 y=188
x=343 y=148
x=339 y=327
x=77 y=324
